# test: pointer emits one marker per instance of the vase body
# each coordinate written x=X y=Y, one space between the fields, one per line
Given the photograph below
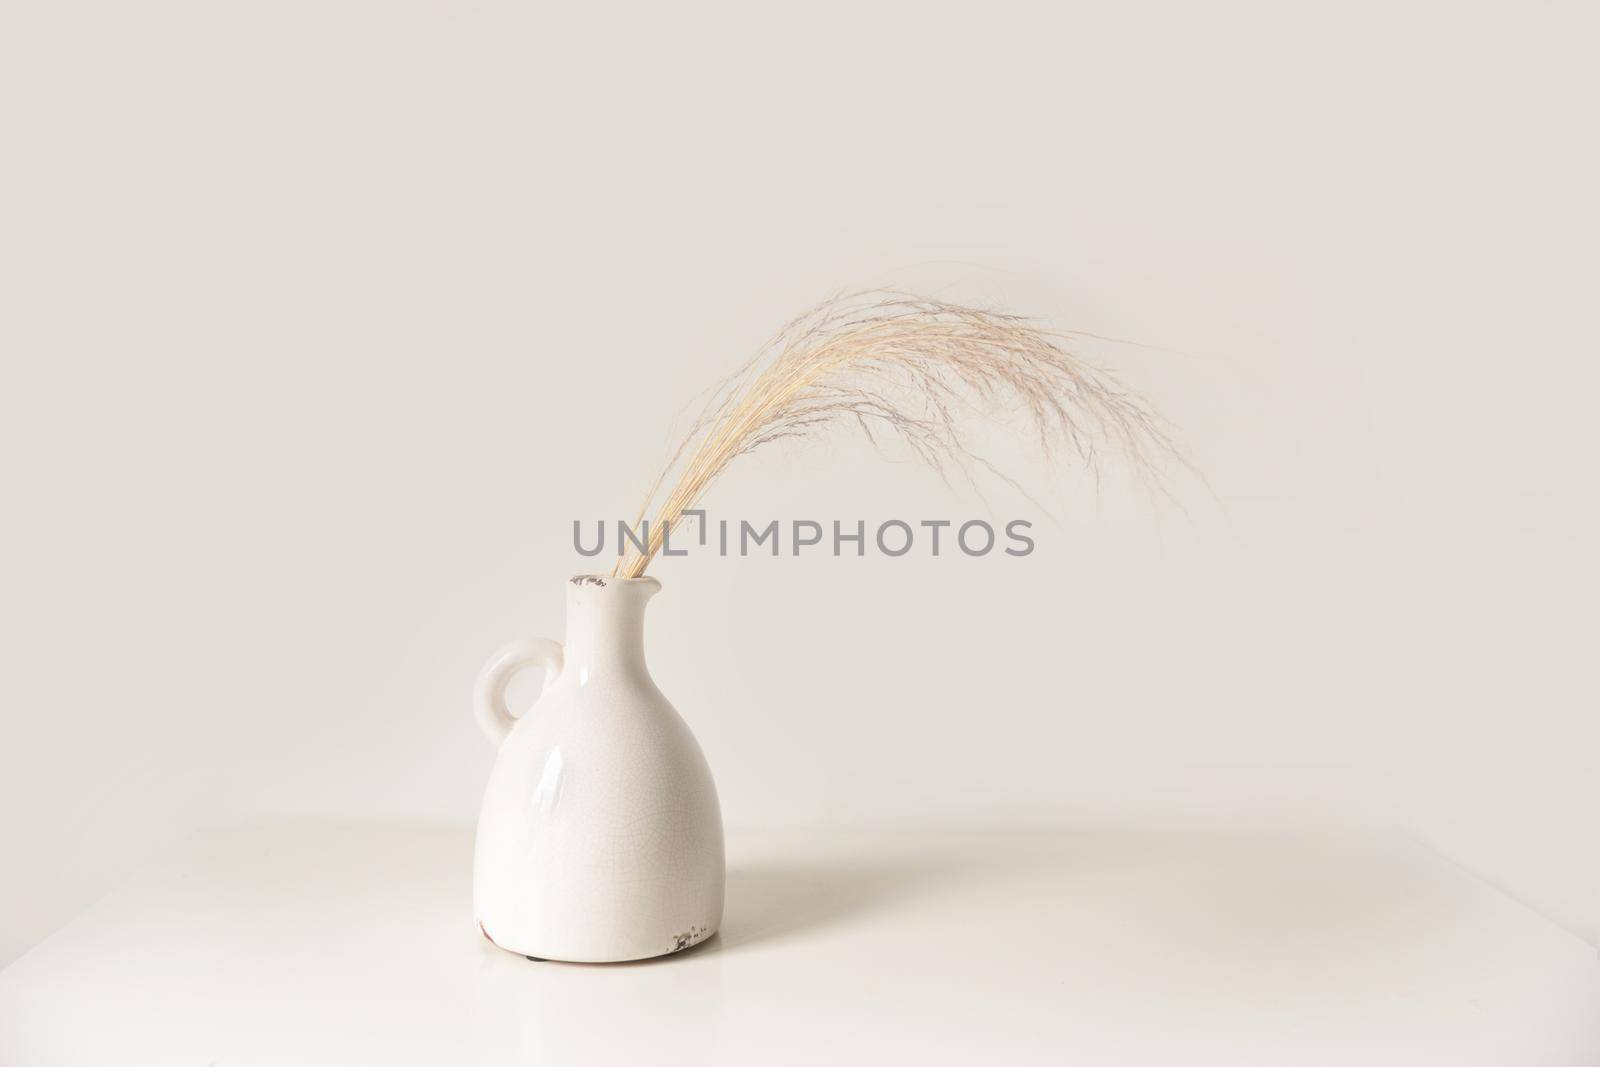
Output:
x=600 y=836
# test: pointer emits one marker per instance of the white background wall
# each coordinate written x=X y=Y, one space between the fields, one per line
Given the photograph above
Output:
x=323 y=321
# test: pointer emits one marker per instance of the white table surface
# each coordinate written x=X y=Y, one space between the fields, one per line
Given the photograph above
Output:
x=313 y=944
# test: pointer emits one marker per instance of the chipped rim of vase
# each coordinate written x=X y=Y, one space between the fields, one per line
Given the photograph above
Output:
x=603 y=580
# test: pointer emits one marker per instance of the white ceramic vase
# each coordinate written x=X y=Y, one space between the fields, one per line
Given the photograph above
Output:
x=600 y=837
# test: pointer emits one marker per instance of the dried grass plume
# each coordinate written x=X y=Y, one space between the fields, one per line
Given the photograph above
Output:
x=895 y=364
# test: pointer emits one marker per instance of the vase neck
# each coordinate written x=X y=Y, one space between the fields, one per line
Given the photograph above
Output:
x=605 y=623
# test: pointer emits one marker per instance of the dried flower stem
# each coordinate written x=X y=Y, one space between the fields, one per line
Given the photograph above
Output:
x=892 y=362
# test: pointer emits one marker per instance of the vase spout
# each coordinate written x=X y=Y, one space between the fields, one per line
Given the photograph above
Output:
x=605 y=623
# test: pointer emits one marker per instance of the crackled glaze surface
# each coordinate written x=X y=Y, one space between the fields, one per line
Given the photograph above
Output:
x=600 y=836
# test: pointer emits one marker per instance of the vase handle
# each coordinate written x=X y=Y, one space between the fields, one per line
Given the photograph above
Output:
x=489 y=693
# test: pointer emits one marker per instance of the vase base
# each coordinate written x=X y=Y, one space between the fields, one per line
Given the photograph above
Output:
x=678 y=943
